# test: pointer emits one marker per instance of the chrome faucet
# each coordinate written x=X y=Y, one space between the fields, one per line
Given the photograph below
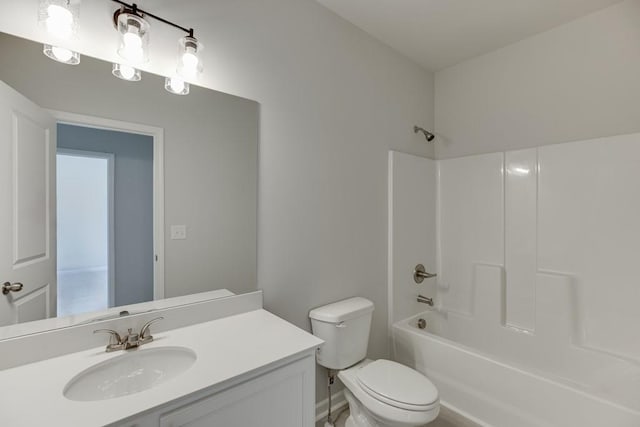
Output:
x=129 y=341
x=425 y=300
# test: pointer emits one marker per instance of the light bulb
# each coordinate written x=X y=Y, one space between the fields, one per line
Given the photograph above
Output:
x=177 y=85
x=127 y=72
x=132 y=41
x=134 y=38
x=190 y=61
x=132 y=49
x=134 y=55
x=61 y=54
x=189 y=67
x=59 y=21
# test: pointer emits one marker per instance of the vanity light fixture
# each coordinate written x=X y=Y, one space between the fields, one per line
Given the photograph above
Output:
x=59 y=17
x=61 y=54
x=134 y=39
x=133 y=32
x=189 y=59
x=176 y=85
x=126 y=72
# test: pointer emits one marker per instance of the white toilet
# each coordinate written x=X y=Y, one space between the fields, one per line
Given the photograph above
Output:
x=380 y=393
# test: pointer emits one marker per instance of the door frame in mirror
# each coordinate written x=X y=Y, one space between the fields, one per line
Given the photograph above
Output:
x=157 y=134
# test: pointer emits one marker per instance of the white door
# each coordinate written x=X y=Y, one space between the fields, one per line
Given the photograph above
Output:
x=27 y=209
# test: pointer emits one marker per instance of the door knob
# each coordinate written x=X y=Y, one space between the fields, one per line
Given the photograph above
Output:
x=11 y=287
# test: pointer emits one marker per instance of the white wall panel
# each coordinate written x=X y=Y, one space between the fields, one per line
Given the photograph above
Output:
x=521 y=192
x=571 y=211
x=589 y=225
x=471 y=223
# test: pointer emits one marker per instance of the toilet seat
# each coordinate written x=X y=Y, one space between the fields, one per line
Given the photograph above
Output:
x=390 y=412
x=397 y=385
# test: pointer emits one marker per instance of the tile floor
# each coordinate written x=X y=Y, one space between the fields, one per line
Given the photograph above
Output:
x=81 y=291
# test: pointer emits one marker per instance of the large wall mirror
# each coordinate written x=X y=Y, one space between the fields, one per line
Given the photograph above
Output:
x=117 y=193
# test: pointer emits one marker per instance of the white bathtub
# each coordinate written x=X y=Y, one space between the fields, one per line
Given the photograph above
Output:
x=523 y=389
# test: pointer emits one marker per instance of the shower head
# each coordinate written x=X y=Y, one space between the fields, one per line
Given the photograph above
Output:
x=430 y=137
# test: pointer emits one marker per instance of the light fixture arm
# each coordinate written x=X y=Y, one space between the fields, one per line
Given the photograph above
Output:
x=133 y=8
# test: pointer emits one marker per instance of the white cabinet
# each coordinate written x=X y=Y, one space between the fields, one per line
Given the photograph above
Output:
x=280 y=396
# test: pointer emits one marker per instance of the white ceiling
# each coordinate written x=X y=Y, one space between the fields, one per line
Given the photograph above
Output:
x=441 y=33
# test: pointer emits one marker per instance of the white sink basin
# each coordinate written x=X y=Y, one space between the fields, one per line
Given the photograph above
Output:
x=132 y=372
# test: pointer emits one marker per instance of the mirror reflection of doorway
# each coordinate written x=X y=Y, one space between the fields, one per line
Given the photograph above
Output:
x=105 y=219
x=85 y=230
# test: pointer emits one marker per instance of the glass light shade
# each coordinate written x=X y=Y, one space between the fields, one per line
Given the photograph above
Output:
x=59 y=18
x=176 y=86
x=189 y=58
x=61 y=54
x=134 y=38
x=126 y=72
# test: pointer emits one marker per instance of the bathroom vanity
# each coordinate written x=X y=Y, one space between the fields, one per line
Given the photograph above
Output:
x=246 y=369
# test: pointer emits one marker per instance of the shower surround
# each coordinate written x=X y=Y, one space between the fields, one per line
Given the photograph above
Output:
x=536 y=252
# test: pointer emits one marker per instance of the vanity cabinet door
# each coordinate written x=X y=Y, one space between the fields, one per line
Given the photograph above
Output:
x=284 y=397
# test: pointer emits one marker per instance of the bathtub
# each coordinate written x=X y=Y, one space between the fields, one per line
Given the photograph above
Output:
x=503 y=382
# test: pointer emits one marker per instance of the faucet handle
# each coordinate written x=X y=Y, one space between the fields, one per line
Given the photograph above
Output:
x=145 y=329
x=420 y=273
x=114 y=335
x=132 y=338
x=115 y=340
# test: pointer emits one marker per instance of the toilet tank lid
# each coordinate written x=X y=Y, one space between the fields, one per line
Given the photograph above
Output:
x=342 y=310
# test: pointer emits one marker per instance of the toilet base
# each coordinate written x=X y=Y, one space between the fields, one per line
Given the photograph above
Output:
x=360 y=417
x=357 y=415
x=350 y=423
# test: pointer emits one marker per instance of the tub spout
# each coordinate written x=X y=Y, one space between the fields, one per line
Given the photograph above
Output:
x=425 y=300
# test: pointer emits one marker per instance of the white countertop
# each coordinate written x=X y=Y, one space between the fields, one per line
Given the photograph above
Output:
x=226 y=348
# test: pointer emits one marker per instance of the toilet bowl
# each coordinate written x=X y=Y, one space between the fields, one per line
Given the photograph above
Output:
x=383 y=393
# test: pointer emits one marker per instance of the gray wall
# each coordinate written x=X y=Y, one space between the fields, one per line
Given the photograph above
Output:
x=133 y=205
x=575 y=82
x=210 y=164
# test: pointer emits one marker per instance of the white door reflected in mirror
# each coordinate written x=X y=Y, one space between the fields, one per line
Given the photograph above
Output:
x=27 y=176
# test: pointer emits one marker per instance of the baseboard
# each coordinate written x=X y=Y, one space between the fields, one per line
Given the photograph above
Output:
x=338 y=401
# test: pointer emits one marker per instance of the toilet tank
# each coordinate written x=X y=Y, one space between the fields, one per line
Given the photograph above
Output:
x=344 y=326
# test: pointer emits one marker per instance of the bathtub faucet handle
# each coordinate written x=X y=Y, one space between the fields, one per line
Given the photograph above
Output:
x=420 y=273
